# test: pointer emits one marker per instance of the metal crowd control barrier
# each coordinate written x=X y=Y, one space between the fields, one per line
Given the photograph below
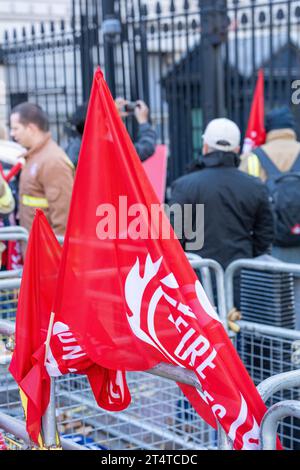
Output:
x=256 y=264
x=278 y=382
x=12 y=274
x=13 y=229
x=268 y=350
x=13 y=236
x=269 y=423
x=279 y=410
x=166 y=423
x=17 y=233
x=267 y=389
x=205 y=276
x=219 y=273
x=154 y=420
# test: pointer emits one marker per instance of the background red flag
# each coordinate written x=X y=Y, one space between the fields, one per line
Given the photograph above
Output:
x=131 y=299
x=256 y=133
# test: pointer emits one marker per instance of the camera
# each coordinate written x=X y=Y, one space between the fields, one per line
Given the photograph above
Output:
x=130 y=106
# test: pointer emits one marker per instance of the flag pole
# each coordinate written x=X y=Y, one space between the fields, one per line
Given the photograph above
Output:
x=47 y=343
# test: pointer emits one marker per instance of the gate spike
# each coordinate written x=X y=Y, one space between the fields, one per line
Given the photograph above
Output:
x=186 y=5
x=280 y=14
x=158 y=8
x=262 y=17
x=144 y=10
x=172 y=7
x=244 y=19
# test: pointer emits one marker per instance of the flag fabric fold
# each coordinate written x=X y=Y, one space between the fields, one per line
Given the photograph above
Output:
x=127 y=291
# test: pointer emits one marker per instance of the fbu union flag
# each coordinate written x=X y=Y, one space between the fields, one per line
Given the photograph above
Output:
x=133 y=302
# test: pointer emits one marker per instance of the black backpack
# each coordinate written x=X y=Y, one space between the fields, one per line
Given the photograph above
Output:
x=284 y=190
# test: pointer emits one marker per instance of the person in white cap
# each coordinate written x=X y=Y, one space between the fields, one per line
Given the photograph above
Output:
x=222 y=134
x=238 y=221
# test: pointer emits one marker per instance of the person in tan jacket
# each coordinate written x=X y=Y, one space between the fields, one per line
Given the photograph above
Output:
x=281 y=144
x=283 y=149
x=46 y=179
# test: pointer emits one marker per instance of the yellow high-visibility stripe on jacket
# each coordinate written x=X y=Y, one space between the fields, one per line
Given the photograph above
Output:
x=7 y=202
x=253 y=165
x=32 y=201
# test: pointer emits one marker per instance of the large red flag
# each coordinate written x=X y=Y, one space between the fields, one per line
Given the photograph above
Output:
x=34 y=307
x=130 y=296
x=256 y=133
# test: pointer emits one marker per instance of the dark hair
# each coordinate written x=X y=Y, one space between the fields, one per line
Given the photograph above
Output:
x=78 y=117
x=32 y=113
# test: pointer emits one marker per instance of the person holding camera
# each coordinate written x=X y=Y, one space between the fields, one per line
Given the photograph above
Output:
x=146 y=139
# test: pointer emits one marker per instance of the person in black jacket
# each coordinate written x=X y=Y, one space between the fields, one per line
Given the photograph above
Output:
x=146 y=139
x=75 y=128
x=238 y=221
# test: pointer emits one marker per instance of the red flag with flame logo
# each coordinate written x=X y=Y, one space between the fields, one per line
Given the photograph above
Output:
x=127 y=290
x=65 y=355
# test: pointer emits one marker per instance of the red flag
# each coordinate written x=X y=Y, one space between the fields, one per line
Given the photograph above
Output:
x=256 y=133
x=132 y=300
x=32 y=320
x=34 y=307
x=14 y=255
x=14 y=171
x=66 y=356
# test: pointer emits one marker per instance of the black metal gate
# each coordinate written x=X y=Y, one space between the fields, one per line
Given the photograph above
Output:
x=189 y=64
